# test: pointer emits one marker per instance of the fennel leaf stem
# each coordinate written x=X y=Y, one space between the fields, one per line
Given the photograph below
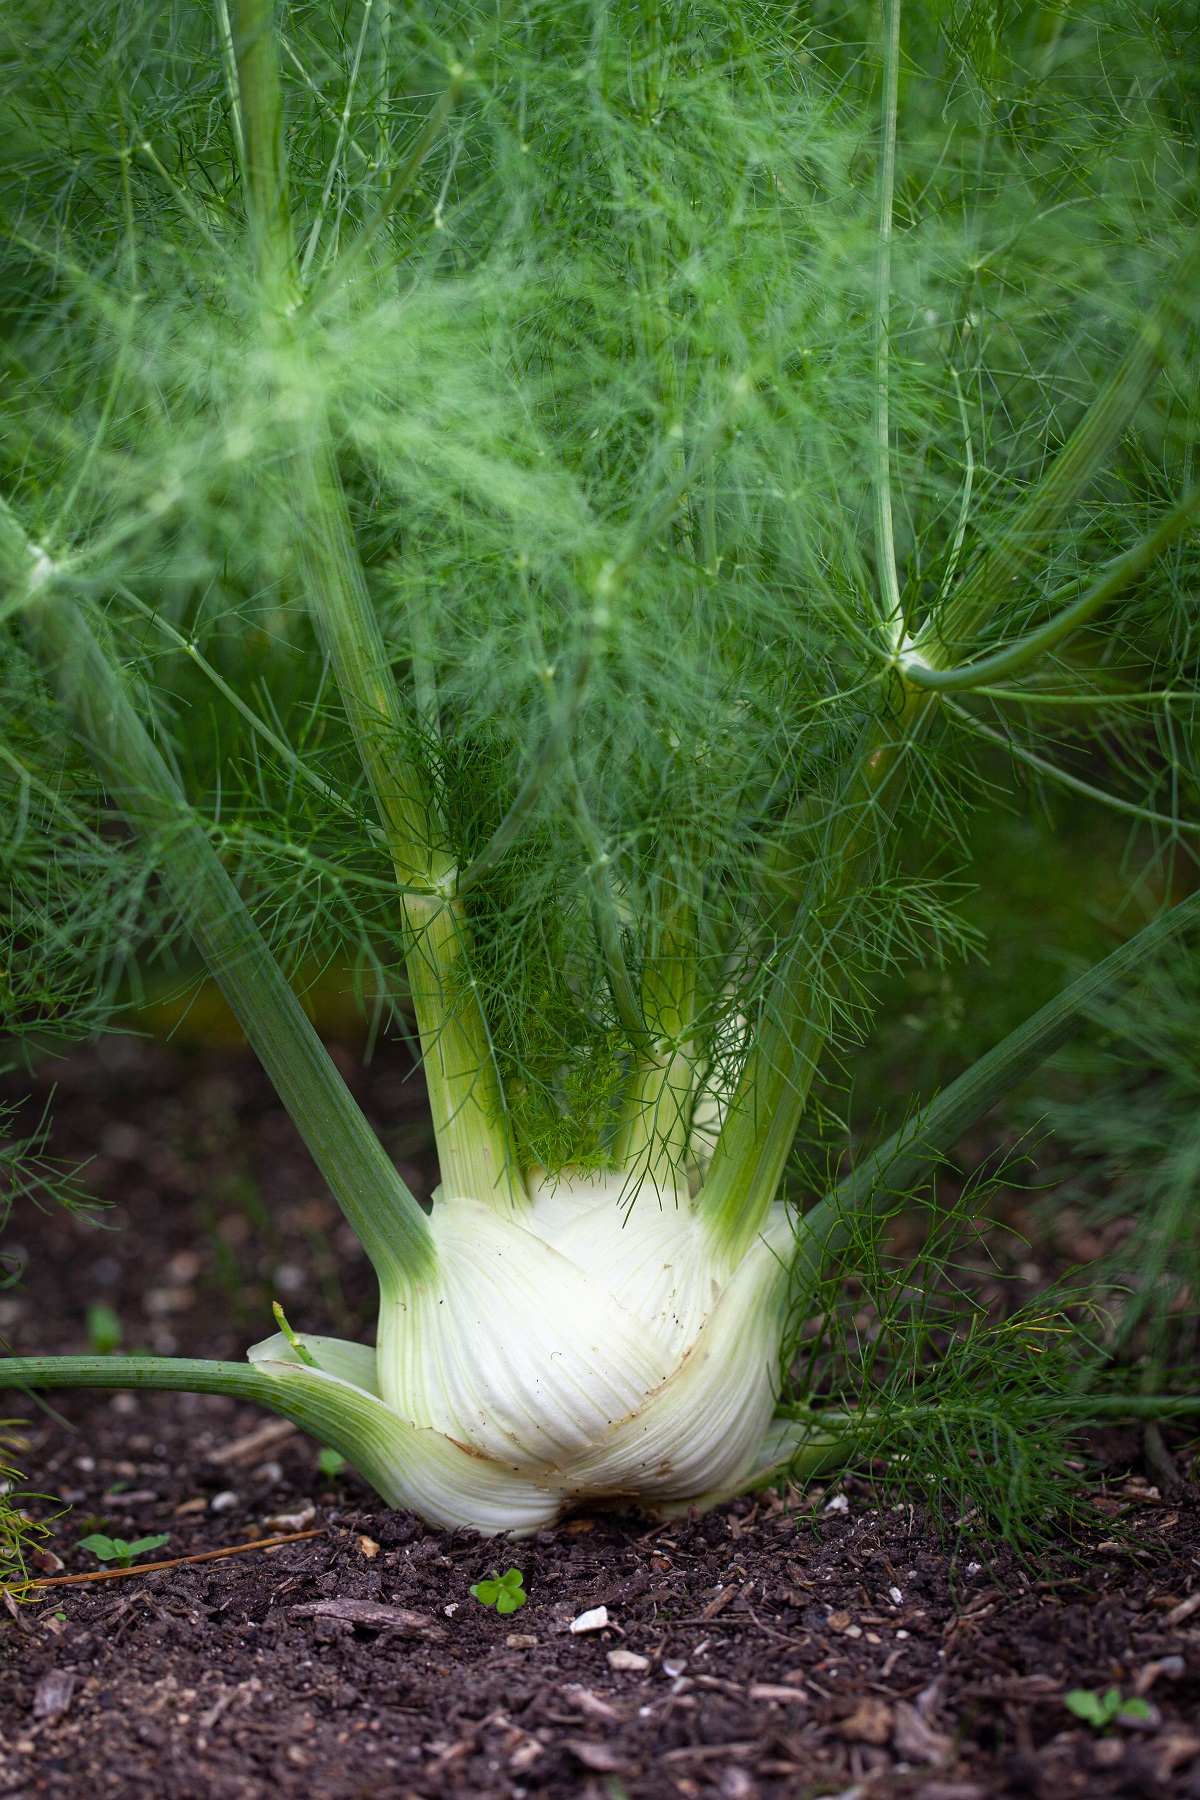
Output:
x=765 y=1110
x=361 y=1177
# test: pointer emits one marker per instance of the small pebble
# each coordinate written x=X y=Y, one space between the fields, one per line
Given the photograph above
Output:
x=52 y=1696
x=595 y=1619
x=628 y=1662
x=299 y=1518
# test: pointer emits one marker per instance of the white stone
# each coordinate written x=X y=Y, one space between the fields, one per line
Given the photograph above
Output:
x=595 y=1619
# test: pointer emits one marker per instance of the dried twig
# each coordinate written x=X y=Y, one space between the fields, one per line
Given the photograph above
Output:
x=177 y=1562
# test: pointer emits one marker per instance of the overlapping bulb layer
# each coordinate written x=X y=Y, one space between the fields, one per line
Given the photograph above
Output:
x=585 y=1349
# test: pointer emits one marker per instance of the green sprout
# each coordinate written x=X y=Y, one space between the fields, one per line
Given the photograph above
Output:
x=330 y=1462
x=504 y=1592
x=1101 y=1710
x=108 y=1549
x=103 y=1329
x=302 y=1352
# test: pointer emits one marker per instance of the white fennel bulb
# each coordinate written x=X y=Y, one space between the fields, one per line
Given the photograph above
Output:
x=583 y=1349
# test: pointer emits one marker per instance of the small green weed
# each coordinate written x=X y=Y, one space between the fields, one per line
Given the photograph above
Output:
x=103 y=1329
x=330 y=1462
x=1101 y=1710
x=302 y=1351
x=504 y=1592
x=108 y=1549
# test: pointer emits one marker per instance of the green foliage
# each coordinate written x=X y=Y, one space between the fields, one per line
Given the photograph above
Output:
x=942 y=1396
x=109 y=1549
x=26 y=1175
x=629 y=213
x=330 y=1463
x=1102 y=1710
x=1132 y=1129
x=22 y=1537
x=504 y=1592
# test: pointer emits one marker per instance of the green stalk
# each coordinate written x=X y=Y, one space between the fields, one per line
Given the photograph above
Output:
x=885 y=537
x=1077 y=1406
x=383 y=1212
x=764 y=1114
x=1016 y=657
x=1129 y=1406
x=149 y=1373
x=652 y=1139
x=474 y=1148
x=898 y=1164
x=259 y=117
x=335 y=1413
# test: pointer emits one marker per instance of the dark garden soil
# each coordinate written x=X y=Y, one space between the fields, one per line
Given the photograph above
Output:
x=819 y=1647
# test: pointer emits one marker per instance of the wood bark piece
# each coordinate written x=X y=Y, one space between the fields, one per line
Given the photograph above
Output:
x=374 y=1614
x=244 y=1450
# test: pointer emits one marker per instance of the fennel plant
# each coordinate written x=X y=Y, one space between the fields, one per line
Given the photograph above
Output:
x=553 y=498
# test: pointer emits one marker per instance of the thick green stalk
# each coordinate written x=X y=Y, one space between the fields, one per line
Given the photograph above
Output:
x=1128 y=1406
x=764 y=1114
x=897 y=1165
x=469 y=1117
x=333 y=1412
x=259 y=119
x=362 y=1179
x=183 y=1374
x=474 y=1151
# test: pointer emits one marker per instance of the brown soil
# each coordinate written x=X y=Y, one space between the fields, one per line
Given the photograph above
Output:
x=822 y=1647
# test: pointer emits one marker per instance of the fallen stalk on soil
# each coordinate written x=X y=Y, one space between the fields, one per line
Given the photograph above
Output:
x=640 y=729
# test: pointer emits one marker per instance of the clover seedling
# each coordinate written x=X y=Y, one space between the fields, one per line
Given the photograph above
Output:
x=1099 y=1710
x=106 y=1549
x=504 y=1592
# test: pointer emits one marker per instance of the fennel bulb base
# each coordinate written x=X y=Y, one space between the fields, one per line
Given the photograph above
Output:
x=581 y=1353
